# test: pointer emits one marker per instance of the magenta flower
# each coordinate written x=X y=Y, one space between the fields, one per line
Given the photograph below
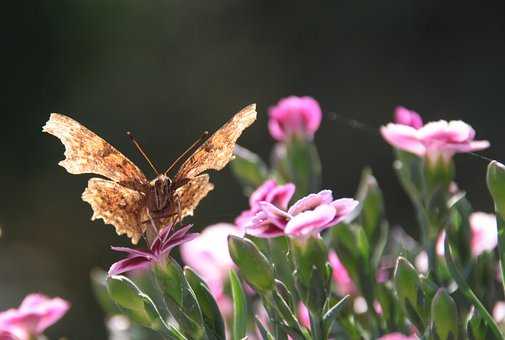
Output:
x=36 y=313
x=271 y=192
x=484 y=233
x=341 y=277
x=303 y=315
x=398 y=336
x=309 y=215
x=408 y=117
x=294 y=116
x=160 y=248
x=208 y=255
x=434 y=139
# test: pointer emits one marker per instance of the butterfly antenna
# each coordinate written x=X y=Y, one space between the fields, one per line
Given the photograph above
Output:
x=139 y=148
x=196 y=144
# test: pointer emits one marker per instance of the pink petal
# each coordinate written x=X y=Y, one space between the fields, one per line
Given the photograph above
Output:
x=484 y=232
x=131 y=251
x=310 y=202
x=261 y=193
x=274 y=214
x=265 y=230
x=53 y=310
x=404 y=138
x=275 y=129
x=129 y=264
x=167 y=247
x=340 y=275
x=343 y=207
x=408 y=117
x=208 y=254
x=281 y=195
x=310 y=221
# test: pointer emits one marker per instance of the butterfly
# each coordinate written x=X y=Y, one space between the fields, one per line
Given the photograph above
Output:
x=125 y=198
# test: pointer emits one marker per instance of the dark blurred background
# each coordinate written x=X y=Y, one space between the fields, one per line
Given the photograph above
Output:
x=169 y=69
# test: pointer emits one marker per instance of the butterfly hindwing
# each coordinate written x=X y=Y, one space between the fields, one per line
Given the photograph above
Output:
x=189 y=196
x=117 y=205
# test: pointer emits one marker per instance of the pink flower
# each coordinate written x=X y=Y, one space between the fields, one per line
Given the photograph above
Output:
x=271 y=192
x=499 y=311
x=160 y=248
x=341 y=277
x=303 y=315
x=398 y=336
x=294 y=116
x=484 y=232
x=36 y=313
x=208 y=255
x=408 y=117
x=433 y=139
x=440 y=245
x=309 y=215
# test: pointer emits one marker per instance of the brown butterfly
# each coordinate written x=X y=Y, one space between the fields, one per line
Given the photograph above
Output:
x=127 y=200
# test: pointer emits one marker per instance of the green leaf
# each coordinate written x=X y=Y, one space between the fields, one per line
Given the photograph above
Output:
x=496 y=186
x=179 y=297
x=476 y=328
x=467 y=291
x=239 y=307
x=138 y=306
x=265 y=334
x=330 y=316
x=410 y=292
x=212 y=318
x=444 y=316
x=372 y=206
x=254 y=266
x=248 y=167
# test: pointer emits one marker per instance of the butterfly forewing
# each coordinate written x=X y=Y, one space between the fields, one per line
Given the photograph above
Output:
x=85 y=152
x=217 y=150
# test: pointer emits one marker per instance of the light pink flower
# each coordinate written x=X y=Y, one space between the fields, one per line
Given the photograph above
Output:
x=35 y=314
x=309 y=215
x=294 y=116
x=398 y=336
x=341 y=277
x=271 y=192
x=499 y=311
x=208 y=255
x=137 y=259
x=408 y=117
x=303 y=315
x=484 y=232
x=440 y=245
x=434 y=139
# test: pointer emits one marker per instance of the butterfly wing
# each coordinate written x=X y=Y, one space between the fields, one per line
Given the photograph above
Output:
x=217 y=151
x=117 y=205
x=188 y=196
x=85 y=152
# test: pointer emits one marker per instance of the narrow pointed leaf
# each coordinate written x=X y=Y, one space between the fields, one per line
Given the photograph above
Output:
x=239 y=307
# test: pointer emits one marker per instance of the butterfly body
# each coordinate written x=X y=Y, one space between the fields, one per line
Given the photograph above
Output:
x=125 y=198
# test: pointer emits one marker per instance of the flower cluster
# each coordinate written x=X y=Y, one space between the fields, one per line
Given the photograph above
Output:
x=312 y=266
x=440 y=138
x=309 y=215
